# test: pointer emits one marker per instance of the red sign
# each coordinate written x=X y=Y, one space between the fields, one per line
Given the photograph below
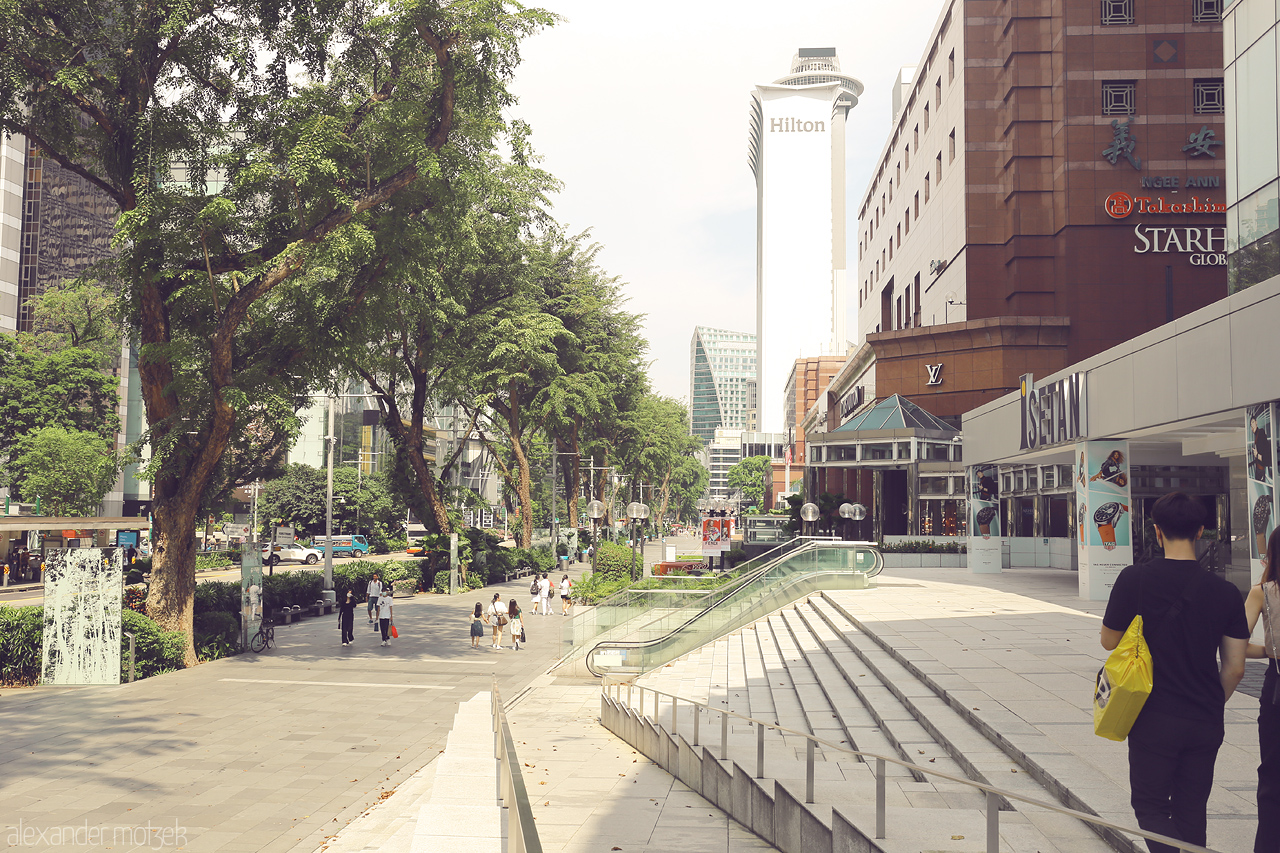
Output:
x=1120 y=204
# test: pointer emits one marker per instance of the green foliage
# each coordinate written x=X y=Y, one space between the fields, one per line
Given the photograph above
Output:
x=542 y=558
x=217 y=635
x=300 y=588
x=355 y=576
x=21 y=633
x=64 y=389
x=70 y=471
x=749 y=476
x=155 y=651
x=217 y=597
x=207 y=560
x=613 y=561
x=80 y=314
x=736 y=556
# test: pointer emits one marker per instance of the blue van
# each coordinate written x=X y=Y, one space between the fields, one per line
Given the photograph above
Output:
x=343 y=546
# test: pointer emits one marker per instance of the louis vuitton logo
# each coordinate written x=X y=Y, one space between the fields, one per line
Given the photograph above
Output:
x=935 y=374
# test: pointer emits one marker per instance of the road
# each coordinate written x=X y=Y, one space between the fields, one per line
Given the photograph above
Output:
x=28 y=597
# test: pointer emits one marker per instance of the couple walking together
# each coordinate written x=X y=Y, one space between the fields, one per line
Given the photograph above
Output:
x=543 y=590
x=500 y=617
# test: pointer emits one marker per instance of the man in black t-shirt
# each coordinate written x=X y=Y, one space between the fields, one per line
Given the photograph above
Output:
x=1174 y=743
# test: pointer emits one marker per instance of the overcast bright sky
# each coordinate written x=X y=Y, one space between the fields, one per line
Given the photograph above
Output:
x=641 y=110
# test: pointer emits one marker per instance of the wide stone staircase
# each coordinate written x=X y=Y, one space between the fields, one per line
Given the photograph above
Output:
x=809 y=667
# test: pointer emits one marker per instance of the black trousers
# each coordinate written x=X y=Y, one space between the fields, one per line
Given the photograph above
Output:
x=385 y=624
x=1171 y=774
x=1268 y=838
x=348 y=627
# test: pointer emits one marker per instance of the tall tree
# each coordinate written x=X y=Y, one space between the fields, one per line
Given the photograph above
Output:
x=68 y=471
x=82 y=313
x=232 y=285
x=748 y=475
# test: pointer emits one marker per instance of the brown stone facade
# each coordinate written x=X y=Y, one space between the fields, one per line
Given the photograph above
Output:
x=1040 y=98
x=808 y=381
x=980 y=360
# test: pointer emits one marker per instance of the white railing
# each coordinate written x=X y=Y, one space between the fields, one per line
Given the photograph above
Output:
x=613 y=692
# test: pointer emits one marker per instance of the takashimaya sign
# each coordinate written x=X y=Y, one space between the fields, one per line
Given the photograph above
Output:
x=850 y=402
x=1120 y=204
x=1053 y=413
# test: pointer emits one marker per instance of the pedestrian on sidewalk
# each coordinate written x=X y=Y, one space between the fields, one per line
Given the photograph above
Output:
x=496 y=616
x=544 y=594
x=516 y=623
x=384 y=613
x=1189 y=617
x=565 y=586
x=477 y=625
x=1264 y=599
x=347 y=618
x=535 y=592
x=375 y=590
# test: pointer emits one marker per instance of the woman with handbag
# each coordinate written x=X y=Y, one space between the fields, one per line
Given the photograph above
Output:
x=516 y=624
x=1264 y=600
x=496 y=616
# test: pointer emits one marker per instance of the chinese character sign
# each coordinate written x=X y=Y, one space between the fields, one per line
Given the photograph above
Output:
x=1123 y=144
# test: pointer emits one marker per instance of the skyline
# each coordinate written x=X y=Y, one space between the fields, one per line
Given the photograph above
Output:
x=651 y=142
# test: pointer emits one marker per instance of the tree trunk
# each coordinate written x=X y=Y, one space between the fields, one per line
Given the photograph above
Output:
x=666 y=491
x=171 y=594
x=523 y=491
x=576 y=485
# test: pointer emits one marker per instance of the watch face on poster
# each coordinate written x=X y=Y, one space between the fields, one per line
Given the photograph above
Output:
x=1082 y=515
x=1261 y=524
x=1105 y=518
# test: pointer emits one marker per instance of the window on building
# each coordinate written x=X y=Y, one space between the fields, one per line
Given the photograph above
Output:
x=916 y=205
x=891 y=189
x=1118 y=97
x=915 y=136
x=951 y=67
x=951 y=146
x=1209 y=97
x=1206 y=11
x=926 y=118
x=937 y=93
x=897 y=173
x=937 y=168
x=1117 y=13
x=915 y=308
x=899 y=234
x=926 y=189
x=906 y=157
x=890 y=248
x=906 y=220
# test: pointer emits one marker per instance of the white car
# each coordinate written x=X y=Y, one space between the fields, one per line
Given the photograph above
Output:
x=274 y=555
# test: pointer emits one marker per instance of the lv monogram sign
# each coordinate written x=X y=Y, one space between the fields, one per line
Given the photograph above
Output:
x=935 y=374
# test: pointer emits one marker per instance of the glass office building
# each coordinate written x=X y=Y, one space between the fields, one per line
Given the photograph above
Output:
x=722 y=367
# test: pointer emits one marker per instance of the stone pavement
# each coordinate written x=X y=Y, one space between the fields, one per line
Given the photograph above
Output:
x=1020 y=650
x=270 y=752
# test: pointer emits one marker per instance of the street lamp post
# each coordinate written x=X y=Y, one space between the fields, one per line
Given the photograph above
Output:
x=595 y=511
x=808 y=514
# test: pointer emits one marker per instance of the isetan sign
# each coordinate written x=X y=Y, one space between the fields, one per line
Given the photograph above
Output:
x=795 y=125
x=1053 y=413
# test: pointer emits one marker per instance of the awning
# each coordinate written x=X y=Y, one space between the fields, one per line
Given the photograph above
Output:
x=9 y=523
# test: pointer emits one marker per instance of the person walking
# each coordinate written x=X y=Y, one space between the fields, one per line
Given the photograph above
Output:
x=375 y=590
x=477 y=625
x=496 y=616
x=1264 y=600
x=565 y=586
x=516 y=623
x=385 y=614
x=347 y=618
x=1189 y=618
x=544 y=594
x=535 y=592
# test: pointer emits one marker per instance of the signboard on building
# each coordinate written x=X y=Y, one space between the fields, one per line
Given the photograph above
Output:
x=715 y=536
x=1054 y=413
x=1102 y=522
x=985 y=548
x=236 y=531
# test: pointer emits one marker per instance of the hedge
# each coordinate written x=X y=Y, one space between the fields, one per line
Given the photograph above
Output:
x=22 y=635
x=613 y=561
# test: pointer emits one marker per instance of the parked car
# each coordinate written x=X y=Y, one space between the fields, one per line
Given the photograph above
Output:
x=274 y=555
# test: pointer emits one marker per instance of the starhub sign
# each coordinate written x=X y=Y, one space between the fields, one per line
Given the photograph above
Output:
x=1206 y=246
x=1053 y=413
x=795 y=125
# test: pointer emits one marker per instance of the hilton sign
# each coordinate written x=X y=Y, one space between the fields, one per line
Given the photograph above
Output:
x=795 y=125
x=1053 y=413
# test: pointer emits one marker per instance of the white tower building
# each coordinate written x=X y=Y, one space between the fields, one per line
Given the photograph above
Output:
x=798 y=158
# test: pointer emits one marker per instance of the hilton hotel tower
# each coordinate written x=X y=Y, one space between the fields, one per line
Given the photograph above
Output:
x=797 y=156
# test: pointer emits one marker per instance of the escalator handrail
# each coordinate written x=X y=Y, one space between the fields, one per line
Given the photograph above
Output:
x=786 y=581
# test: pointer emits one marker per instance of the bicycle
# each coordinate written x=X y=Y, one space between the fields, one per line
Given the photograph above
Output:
x=265 y=637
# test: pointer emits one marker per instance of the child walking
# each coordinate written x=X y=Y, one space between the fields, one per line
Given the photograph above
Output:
x=477 y=626
x=517 y=624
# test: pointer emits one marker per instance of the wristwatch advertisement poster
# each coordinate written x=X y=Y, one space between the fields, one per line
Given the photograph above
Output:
x=1260 y=453
x=984 y=519
x=1103 y=514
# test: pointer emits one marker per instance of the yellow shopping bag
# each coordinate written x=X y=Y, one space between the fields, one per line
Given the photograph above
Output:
x=1123 y=685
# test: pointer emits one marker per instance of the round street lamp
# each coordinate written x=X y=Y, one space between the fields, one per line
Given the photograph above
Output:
x=808 y=514
x=595 y=511
x=635 y=511
x=853 y=512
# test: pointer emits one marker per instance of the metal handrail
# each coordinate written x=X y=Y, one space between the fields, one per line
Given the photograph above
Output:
x=717 y=597
x=522 y=832
x=993 y=793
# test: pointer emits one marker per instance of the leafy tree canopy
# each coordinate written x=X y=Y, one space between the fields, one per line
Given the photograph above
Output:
x=69 y=471
x=749 y=475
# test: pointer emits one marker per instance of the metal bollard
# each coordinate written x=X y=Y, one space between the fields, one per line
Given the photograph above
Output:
x=673 y=716
x=724 y=735
x=879 y=798
x=132 y=640
x=808 y=770
x=640 y=696
x=993 y=823
x=697 y=718
x=759 y=750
